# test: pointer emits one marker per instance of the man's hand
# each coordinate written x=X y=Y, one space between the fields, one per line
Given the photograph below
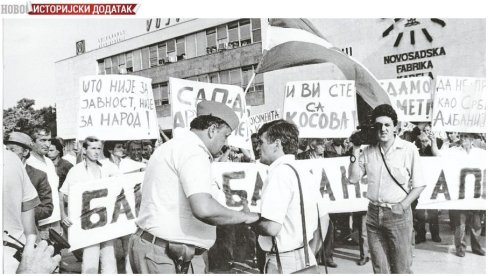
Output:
x=252 y=218
x=397 y=209
x=66 y=221
x=38 y=260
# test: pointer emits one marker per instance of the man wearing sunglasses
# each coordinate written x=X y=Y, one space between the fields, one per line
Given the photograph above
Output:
x=394 y=182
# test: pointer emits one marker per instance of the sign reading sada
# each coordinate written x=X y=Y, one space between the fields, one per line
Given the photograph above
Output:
x=117 y=107
x=322 y=108
x=185 y=95
x=411 y=98
x=460 y=105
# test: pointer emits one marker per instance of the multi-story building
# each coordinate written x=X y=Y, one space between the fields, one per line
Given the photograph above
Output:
x=228 y=51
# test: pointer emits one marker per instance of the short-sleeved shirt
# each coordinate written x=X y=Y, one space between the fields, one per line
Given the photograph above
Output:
x=404 y=163
x=80 y=174
x=280 y=202
x=177 y=169
x=19 y=195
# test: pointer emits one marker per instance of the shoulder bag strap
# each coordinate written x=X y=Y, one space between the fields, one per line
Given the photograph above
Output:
x=278 y=261
x=302 y=210
x=388 y=169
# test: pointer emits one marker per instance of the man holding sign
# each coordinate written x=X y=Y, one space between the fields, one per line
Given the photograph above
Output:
x=176 y=222
x=81 y=173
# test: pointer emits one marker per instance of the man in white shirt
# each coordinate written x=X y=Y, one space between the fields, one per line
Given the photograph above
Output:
x=178 y=213
x=91 y=169
x=40 y=147
x=281 y=215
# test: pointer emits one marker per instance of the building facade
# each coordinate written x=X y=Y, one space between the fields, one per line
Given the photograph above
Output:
x=228 y=51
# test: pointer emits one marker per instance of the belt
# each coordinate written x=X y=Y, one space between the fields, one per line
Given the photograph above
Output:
x=382 y=204
x=281 y=252
x=162 y=242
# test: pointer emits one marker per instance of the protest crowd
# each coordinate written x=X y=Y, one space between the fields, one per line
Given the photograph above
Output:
x=172 y=209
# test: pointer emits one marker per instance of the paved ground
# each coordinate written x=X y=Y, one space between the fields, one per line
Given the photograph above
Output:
x=430 y=258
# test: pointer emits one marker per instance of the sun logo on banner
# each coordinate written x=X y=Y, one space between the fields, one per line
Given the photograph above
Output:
x=410 y=23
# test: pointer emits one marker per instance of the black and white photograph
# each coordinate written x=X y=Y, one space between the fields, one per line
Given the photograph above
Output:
x=145 y=142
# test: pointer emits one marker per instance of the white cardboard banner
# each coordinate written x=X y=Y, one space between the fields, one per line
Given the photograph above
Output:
x=460 y=104
x=185 y=95
x=257 y=121
x=322 y=108
x=450 y=184
x=99 y=212
x=410 y=97
x=117 y=107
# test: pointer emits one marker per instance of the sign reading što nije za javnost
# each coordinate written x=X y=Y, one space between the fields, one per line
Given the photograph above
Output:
x=117 y=107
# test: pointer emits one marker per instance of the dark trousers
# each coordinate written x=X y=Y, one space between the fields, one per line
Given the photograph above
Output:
x=327 y=245
x=466 y=221
x=359 y=224
x=421 y=217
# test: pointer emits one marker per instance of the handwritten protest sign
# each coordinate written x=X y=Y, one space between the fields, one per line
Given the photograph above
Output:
x=185 y=95
x=117 y=107
x=321 y=108
x=410 y=97
x=460 y=105
x=258 y=120
x=103 y=209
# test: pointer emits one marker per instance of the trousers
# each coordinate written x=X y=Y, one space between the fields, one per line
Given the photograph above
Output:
x=290 y=261
x=148 y=258
x=99 y=253
x=389 y=239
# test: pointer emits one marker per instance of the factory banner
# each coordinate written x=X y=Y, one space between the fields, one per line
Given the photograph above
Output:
x=116 y=107
x=411 y=98
x=460 y=104
x=321 y=109
x=185 y=95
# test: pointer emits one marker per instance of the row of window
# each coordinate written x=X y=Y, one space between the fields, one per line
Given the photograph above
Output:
x=238 y=76
x=231 y=35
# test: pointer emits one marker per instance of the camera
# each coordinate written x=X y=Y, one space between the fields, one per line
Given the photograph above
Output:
x=365 y=136
x=55 y=239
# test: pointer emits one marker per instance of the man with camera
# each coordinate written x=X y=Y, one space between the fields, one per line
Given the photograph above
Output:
x=391 y=164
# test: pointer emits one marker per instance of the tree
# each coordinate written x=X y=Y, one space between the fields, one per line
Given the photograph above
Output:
x=24 y=117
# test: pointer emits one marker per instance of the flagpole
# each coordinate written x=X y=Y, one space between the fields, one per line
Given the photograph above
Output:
x=250 y=82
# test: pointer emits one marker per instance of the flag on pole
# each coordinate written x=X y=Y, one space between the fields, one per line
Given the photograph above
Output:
x=293 y=42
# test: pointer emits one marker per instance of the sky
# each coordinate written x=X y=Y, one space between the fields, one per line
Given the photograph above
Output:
x=32 y=46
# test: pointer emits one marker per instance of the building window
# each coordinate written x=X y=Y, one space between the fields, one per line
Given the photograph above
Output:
x=235 y=77
x=115 y=64
x=246 y=75
x=233 y=34
x=136 y=57
x=171 y=48
x=256 y=30
x=214 y=78
x=108 y=66
x=101 y=67
x=122 y=68
x=203 y=78
x=162 y=57
x=222 y=37
x=255 y=94
x=153 y=56
x=245 y=31
x=224 y=77
x=201 y=43
x=191 y=46
x=145 y=58
x=211 y=41
x=180 y=48
x=129 y=64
